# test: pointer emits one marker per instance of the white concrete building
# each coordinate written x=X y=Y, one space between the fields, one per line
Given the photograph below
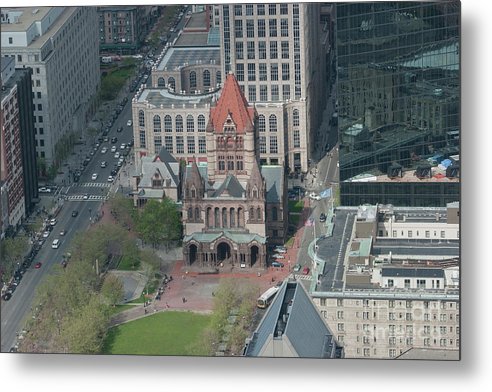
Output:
x=60 y=44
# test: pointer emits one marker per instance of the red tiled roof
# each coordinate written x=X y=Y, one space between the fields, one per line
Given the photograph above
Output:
x=232 y=101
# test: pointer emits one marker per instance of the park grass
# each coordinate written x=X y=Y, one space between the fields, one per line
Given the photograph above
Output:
x=119 y=308
x=127 y=264
x=296 y=205
x=165 y=333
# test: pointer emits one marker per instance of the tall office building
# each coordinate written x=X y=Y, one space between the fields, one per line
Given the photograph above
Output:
x=17 y=159
x=398 y=96
x=60 y=44
x=277 y=52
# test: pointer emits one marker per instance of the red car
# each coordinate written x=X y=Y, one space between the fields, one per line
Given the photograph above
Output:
x=38 y=265
x=305 y=271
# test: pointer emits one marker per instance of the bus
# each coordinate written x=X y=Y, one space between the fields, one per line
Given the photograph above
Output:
x=267 y=297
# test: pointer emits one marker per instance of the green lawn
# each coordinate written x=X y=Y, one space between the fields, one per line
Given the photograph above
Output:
x=165 y=333
x=127 y=264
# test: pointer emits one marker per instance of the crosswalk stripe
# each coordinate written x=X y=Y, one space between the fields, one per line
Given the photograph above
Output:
x=95 y=184
x=81 y=197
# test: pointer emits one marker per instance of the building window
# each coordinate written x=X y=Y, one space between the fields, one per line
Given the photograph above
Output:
x=161 y=82
x=179 y=145
x=206 y=78
x=168 y=140
x=285 y=71
x=250 y=28
x=297 y=138
x=191 y=144
x=261 y=28
x=391 y=283
x=251 y=72
x=407 y=283
x=251 y=50
x=157 y=144
x=286 y=92
x=284 y=27
x=142 y=139
x=192 y=80
x=240 y=72
x=249 y=9
x=275 y=95
x=179 y=123
x=340 y=314
x=284 y=9
x=273 y=50
x=202 y=145
x=272 y=9
x=262 y=50
x=218 y=77
x=201 y=123
x=262 y=144
x=272 y=123
x=251 y=93
x=239 y=50
x=261 y=123
x=340 y=327
x=40 y=119
x=141 y=118
x=238 y=10
x=273 y=145
x=11 y=40
x=260 y=9
x=171 y=83
x=190 y=123
x=443 y=234
x=285 y=49
x=392 y=353
x=168 y=123
x=157 y=123
x=238 y=28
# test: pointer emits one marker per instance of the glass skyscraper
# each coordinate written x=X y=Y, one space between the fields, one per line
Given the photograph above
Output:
x=398 y=94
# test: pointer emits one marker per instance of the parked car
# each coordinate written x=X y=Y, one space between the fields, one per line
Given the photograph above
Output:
x=117 y=155
x=278 y=256
x=75 y=213
x=119 y=129
x=104 y=164
x=129 y=123
x=46 y=234
x=110 y=179
x=38 y=265
x=280 y=249
x=277 y=264
x=114 y=139
x=306 y=270
x=113 y=149
x=322 y=217
x=104 y=150
x=314 y=196
x=123 y=146
x=297 y=267
x=53 y=222
x=94 y=176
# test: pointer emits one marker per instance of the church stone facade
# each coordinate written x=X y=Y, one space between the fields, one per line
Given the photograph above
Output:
x=227 y=202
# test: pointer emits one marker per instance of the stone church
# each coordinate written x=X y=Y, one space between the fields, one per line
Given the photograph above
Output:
x=232 y=207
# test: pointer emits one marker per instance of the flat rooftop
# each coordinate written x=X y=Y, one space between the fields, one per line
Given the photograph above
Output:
x=177 y=57
x=158 y=97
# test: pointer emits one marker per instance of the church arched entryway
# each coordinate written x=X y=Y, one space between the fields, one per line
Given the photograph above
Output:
x=223 y=251
x=255 y=253
x=193 y=252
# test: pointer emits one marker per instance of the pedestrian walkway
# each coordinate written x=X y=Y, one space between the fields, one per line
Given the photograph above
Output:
x=81 y=198
x=94 y=184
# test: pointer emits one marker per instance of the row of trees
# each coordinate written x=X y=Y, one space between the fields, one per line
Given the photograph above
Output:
x=231 y=298
x=12 y=251
x=72 y=307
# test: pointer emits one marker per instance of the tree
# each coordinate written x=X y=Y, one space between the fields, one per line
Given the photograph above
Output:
x=123 y=209
x=112 y=289
x=12 y=251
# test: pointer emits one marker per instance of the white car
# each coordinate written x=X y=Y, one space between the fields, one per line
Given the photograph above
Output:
x=117 y=155
x=53 y=222
x=104 y=150
x=110 y=179
x=129 y=123
x=314 y=196
x=104 y=164
x=123 y=146
x=94 y=176
x=113 y=149
x=86 y=196
x=46 y=234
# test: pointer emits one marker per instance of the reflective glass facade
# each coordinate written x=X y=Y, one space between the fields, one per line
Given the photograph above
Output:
x=398 y=92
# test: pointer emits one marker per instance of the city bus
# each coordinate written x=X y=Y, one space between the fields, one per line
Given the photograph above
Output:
x=267 y=297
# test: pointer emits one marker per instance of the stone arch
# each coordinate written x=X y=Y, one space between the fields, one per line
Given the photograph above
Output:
x=161 y=82
x=223 y=251
x=254 y=252
x=192 y=253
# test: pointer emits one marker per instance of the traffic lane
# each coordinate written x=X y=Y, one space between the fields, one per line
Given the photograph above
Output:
x=15 y=311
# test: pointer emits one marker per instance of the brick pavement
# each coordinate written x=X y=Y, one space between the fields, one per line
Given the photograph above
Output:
x=197 y=288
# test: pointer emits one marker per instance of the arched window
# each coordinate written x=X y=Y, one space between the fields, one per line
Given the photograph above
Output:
x=190 y=213
x=217 y=217
x=179 y=123
x=218 y=76
x=251 y=214
x=224 y=217
x=141 y=118
x=295 y=118
x=258 y=213
x=206 y=78
x=190 y=123
x=168 y=123
x=272 y=123
x=232 y=217
x=255 y=193
x=171 y=83
x=192 y=80
x=261 y=123
x=193 y=193
x=157 y=123
x=201 y=123
x=161 y=82
x=274 y=214
x=197 y=214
